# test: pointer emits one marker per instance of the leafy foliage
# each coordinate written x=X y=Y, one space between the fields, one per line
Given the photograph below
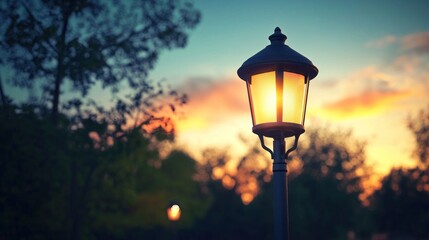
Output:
x=419 y=126
x=32 y=177
x=401 y=205
x=99 y=167
x=325 y=181
x=326 y=153
x=62 y=181
x=325 y=187
x=87 y=42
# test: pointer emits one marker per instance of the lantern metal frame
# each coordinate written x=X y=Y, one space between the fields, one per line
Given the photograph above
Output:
x=279 y=58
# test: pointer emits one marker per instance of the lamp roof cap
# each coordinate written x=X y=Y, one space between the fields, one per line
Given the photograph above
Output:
x=277 y=55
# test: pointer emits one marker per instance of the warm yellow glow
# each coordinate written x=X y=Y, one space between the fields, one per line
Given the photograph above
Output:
x=293 y=97
x=366 y=104
x=264 y=96
x=174 y=213
x=263 y=89
x=196 y=123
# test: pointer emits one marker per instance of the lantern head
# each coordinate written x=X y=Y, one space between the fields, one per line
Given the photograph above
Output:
x=277 y=81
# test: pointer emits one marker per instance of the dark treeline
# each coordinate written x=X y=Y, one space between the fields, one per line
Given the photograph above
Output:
x=72 y=168
x=61 y=181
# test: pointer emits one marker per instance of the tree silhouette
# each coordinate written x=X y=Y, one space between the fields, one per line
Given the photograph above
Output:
x=401 y=205
x=325 y=182
x=116 y=191
x=57 y=48
x=419 y=126
x=51 y=43
x=135 y=188
x=33 y=179
x=230 y=215
x=324 y=189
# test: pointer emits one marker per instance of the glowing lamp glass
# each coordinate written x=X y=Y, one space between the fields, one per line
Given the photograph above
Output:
x=294 y=99
x=277 y=97
x=263 y=94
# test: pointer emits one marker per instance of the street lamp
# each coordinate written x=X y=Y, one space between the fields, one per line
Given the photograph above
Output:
x=277 y=80
x=174 y=212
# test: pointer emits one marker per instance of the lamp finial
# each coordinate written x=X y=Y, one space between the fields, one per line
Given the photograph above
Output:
x=277 y=37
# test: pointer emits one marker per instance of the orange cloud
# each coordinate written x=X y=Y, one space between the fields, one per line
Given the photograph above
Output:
x=213 y=103
x=365 y=104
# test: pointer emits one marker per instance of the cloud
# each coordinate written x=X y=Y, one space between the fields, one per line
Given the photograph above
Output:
x=364 y=104
x=212 y=102
x=407 y=64
x=375 y=90
x=416 y=42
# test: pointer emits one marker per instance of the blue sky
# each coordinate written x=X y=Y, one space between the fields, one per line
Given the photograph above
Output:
x=333 y=34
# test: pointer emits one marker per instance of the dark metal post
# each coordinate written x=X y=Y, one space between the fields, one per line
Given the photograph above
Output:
x=281 y=215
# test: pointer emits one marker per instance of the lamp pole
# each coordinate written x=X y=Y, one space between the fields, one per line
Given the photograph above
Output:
x=281 y=212
x=277 y=80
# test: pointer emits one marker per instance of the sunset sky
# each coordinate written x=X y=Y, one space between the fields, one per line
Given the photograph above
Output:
x=373 y=58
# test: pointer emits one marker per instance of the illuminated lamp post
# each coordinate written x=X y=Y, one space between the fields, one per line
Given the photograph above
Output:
x=277 y=80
